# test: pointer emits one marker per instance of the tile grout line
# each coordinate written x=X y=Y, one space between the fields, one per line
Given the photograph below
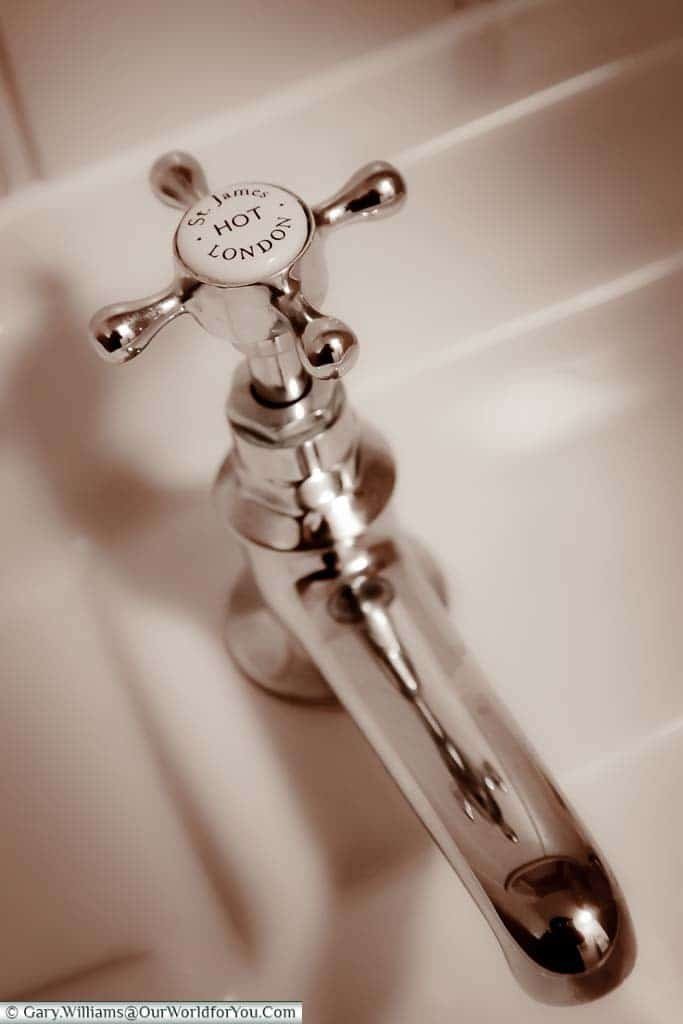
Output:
x=639 y=748
x=18 y=152
x=538 y=101
x=299 y=95
x=510 y=330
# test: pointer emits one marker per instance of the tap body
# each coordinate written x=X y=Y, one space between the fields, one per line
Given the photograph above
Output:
x=337 y=603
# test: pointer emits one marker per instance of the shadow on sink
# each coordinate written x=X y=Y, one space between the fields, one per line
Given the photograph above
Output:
x=163 y=546
x=52 y=406
x=372 y=847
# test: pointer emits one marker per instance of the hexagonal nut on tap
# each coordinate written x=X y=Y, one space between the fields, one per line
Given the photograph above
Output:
x=249 y=267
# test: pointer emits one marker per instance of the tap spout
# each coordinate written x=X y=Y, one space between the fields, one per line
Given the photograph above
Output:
x=357 y=603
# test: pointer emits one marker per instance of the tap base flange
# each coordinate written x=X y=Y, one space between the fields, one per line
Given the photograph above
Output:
x=266 y=651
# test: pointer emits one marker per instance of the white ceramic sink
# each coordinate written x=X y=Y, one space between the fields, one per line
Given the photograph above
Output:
x=169 y=832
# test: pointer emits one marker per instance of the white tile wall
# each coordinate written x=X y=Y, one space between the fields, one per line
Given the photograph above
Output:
x=98 y=75
x=91 y=78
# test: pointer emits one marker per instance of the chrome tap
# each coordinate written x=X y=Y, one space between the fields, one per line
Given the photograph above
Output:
x=334 y=604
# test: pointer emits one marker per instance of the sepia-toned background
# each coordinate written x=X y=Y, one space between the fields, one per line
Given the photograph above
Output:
x=166 y=831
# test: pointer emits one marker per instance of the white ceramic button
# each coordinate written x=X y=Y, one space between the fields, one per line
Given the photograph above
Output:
x=242 y=235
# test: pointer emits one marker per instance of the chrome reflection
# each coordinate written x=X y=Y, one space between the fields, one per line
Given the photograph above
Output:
x=366 y=601
x=577 y=904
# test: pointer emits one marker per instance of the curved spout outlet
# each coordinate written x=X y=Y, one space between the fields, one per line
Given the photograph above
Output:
x=385 y=645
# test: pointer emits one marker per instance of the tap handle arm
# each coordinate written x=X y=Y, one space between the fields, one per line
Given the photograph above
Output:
x=375 y=190
x=178 y=180
x=326 y=346
x=124 y=330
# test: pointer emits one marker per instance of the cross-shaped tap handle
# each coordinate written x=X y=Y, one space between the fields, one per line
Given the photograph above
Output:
x=249 y=267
